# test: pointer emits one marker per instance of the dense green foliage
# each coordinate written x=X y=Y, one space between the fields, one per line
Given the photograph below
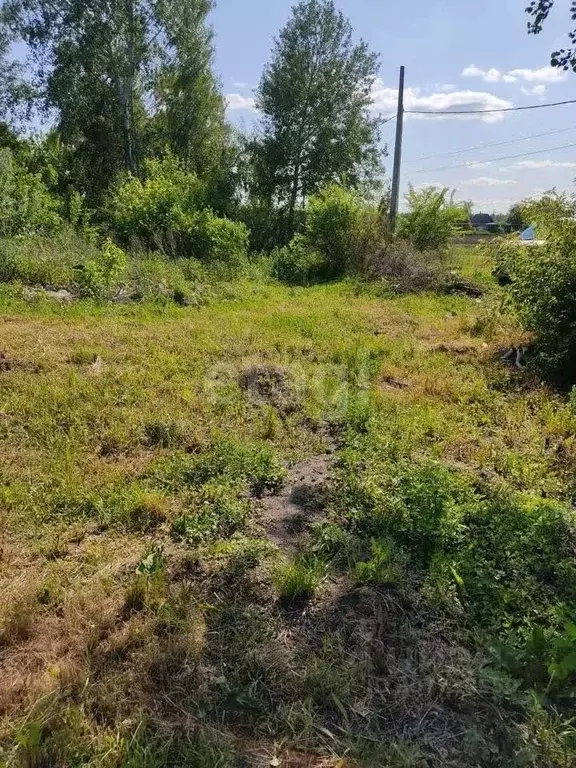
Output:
x=343 y=228
x=124 y=78
x=167 y=211
x=26 y=204
x=340 y=234
x=141 y=150
x=431 y=218
x=314 y=97
x=517 y=217
x=543 y=280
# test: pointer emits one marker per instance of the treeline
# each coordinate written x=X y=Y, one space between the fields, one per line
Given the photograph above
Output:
x=140 y=148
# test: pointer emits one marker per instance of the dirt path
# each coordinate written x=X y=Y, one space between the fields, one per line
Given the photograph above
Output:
x=287 y=516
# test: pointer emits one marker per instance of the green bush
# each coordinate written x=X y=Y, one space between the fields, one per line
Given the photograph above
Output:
x=267 y=225
x=343 y=229
x=167 y=212
x=542 y=281
x=216 y=240
x=26 y=205
x=296 y=263
x=431 y=219
x=98 y=275
x=42 y=260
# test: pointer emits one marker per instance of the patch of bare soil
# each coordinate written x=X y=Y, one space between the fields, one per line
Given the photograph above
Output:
x=391 y=382
x=8 y=364
x=5 y=363
x=454 y=348
x=287 y=516
x=269 y=384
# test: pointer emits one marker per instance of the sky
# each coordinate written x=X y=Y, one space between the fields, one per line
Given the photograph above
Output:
x=457 y=55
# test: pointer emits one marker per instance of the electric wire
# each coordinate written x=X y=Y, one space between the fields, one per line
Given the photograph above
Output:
x=487 y=111
x=494 y=159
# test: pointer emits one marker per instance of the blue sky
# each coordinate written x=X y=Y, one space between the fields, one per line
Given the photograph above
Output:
x=455 y=52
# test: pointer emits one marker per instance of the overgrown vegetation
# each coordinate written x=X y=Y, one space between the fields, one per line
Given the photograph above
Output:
x=140 y=582
x=270 y=492
x=431 y=218
x=541 y=281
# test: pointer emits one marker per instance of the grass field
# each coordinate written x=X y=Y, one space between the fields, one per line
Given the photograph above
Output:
x=422 y=611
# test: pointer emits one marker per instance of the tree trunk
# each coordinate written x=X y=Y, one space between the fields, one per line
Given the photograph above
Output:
x=128 y=87
x=293 y=198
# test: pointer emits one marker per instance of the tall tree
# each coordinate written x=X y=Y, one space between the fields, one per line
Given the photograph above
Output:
x=314 y=97
x=193 y=109
x=15 y=93
x=124 y=77
x=538 y=11
x=91 y=61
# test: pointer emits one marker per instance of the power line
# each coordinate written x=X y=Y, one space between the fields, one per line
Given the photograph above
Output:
x=488 y=146
x=488 y=111
x=494 y=159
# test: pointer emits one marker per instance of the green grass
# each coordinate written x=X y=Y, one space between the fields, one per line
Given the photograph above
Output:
x=141 y=623
x=298 y=579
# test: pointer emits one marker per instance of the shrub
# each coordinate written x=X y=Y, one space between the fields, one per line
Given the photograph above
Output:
x=213 y=239
x=381 y=567
x=42 y=260
x=167 y=211
x=296 y=263
x=542 y=281
x=343 y=229
x=431 y=219
x=405 y=268
x=98 y=275
x=26 y=205
x=267 y=225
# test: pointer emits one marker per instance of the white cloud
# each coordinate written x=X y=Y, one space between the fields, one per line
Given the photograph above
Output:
x=539 y=75
x=487 y=181
x=536 y=90
x=241 y=85
x=473 y=71
x=385 y=100
x=236 y=101
x=425 y=184
x=542 y=75
x=538 y=164
x=501 y=204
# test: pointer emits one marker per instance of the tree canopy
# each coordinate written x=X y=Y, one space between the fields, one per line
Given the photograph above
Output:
x=121 y=76
x=314 y=96
x=538 y=11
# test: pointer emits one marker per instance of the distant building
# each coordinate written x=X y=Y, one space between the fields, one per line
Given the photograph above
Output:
x=482 y=222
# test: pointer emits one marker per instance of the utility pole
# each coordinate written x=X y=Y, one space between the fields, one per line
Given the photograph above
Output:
x=395 y=193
